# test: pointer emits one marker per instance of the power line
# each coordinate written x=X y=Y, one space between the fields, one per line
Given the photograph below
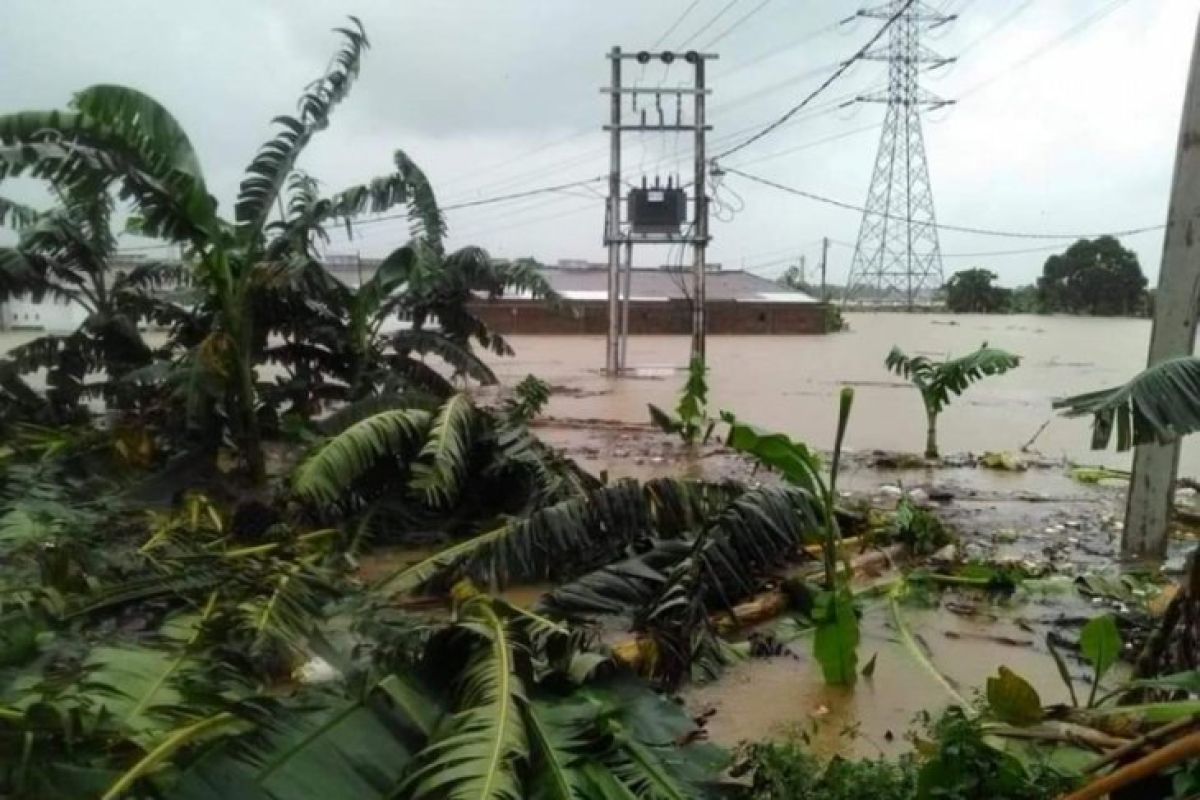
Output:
x=709 y=24
x=709 y=45
x=862 y=51
x=1074 y=30
x=941 y=226
x=987 y=253
x=678 y=21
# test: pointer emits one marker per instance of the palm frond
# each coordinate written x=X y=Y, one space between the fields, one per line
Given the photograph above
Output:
x=145 y=124
x=85 y=152
x=619 y=588
x=938 y=381
x=408 y=185
x=1159 y=404
x=407 y=374
x=333 y=467
x=478 y=753
x=326 y=747
x=16 y=215
x=568 y=536
x=441 y=466
x=458 y=356
x=552 y=476
x=275 y=160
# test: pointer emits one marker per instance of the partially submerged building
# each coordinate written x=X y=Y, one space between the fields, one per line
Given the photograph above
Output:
x=738 y=302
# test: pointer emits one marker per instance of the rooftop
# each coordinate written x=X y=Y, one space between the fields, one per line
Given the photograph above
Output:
x=648 y=284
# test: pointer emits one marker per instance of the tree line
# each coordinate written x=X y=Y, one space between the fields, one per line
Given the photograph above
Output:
x=1095 y=277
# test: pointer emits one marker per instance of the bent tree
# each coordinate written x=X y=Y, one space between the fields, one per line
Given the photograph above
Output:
x=938 y=381
x=114 y=138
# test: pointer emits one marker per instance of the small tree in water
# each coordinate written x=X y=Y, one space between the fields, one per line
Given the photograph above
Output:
x=937 y=381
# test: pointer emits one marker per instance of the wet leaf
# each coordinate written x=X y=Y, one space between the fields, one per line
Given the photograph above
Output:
x=835 y=643
x=1012 y=699
x=1100 y=642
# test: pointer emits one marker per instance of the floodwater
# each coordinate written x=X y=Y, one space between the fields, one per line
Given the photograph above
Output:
x=791 y=383
x=782 y=695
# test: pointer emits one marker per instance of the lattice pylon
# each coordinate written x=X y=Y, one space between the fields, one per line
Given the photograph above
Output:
x=897 y=255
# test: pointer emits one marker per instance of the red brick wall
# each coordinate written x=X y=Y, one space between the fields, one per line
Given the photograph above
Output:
x=672 y=317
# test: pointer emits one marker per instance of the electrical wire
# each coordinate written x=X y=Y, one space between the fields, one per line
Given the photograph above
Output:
x=940 y=226
x=740 y=20
x=679 y=21
x=862 y=51
x=1040 y=51
x=709 y=24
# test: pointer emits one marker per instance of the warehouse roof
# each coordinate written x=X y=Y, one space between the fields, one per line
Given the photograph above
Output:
x=591 y=283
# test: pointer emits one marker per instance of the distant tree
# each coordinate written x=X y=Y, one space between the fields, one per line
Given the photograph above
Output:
x=1093 y=276
x=1025 y=300
x=972 y=291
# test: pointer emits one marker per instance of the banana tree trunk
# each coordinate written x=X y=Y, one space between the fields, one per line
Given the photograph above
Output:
x=251 y=444
x=931 y=448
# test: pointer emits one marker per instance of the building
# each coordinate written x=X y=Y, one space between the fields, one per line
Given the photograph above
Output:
x=738 y=302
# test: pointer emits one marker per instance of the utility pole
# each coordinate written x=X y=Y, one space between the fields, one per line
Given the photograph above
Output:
x=660 y=211
x=1152 y=485
x=824 y=263
x=613 y=232
x=803 y=264
x=700 y=242
x=898 y=250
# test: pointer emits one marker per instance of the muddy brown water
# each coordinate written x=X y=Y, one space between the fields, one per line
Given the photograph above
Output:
x=790 y=383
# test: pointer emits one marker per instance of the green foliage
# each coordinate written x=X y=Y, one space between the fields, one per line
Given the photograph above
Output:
x=960 y=765
x=793 y=460
x=1093 y=276
x=918 y=528
x=1100 y=644
x=250 y=291
x=785 y=770
x=954 y=761
x=938 y=381
x=1012 y=699
x=691 y=420
x=835 y=643
x=530 y=396
x=1159 y=404
x=972 y=291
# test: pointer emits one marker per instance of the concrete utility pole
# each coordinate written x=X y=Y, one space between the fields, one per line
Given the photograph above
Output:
x=613 y=227
x=659 y=231
x=1151 y=488
x=700 y=242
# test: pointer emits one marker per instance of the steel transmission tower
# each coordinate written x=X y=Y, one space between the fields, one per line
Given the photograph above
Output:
x=897 y=251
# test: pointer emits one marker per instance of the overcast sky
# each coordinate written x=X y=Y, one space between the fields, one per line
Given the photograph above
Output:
x=1067 y=117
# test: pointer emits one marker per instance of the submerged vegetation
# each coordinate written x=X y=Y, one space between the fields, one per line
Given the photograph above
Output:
x=193 y=594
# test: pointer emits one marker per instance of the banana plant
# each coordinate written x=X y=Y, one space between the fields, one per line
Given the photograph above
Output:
x=835 y=644
x=114 y=137
x=1158 y=405
x=690 y=421
x=67 y=254
x=938 y=381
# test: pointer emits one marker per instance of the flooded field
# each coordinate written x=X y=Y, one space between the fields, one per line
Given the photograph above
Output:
x=790 y=383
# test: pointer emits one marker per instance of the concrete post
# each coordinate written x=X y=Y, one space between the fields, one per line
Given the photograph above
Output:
x=1151 y=488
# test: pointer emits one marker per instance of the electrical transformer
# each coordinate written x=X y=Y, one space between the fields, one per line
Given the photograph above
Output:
x=657 y=209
